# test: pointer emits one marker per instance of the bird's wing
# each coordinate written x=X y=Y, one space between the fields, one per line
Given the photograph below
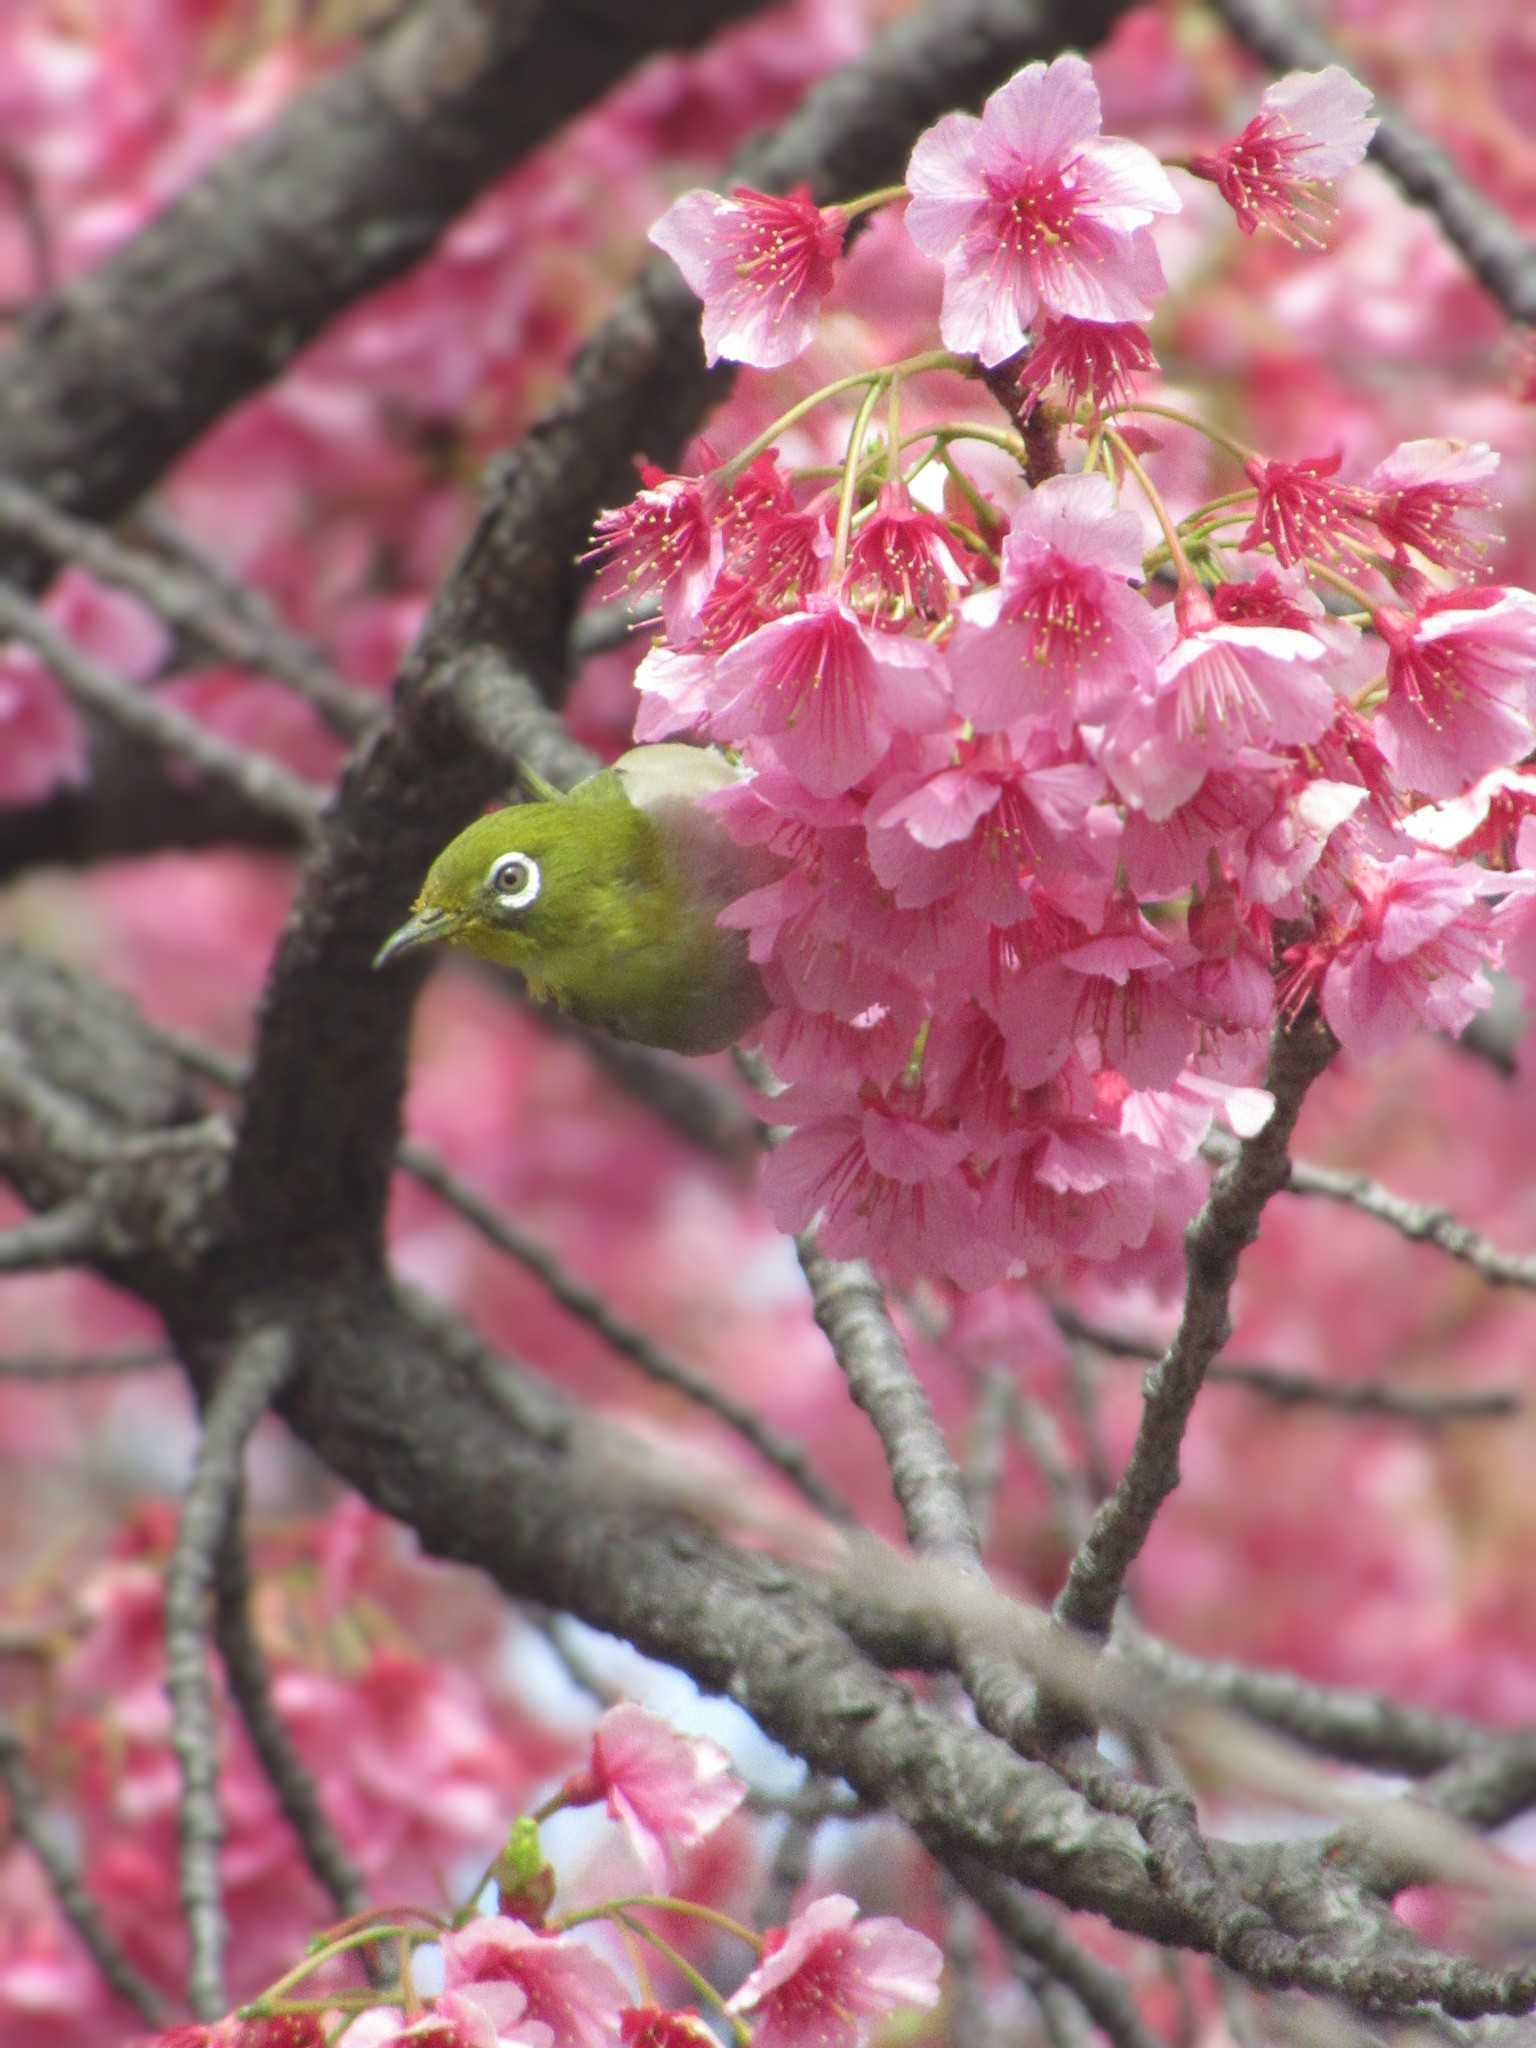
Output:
x=654 y=775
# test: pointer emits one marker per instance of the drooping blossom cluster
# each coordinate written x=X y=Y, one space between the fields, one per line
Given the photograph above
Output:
x=1072 y=800
x=517 y=1979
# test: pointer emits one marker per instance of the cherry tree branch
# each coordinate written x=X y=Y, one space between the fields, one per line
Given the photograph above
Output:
x=64 y=1371
x=1216 y=1240
x=1298 y=1389
x=1499 y=256
x=589 y=1307
x=256 y=1371
x=246 y=631
x=1421 y=1222
x=352 y=185
x=263 y=784
x=850 y=1308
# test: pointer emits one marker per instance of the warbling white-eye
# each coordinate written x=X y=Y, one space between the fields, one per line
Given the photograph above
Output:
x=605 y=899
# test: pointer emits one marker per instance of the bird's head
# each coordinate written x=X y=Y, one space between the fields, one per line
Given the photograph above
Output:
x=510 y=886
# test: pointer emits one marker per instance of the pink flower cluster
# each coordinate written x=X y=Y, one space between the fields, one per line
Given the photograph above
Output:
x=1056 y=849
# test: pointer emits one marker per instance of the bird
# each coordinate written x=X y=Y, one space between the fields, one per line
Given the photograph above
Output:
x=605 y=899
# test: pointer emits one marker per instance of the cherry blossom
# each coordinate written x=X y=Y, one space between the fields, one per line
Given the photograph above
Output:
x=1095 y=362
x=762 y=264
x=1426 y=492
x=883 y=1181
x=1062 y=634
x=827 y=1976
x=827 y=693
x=1413 y=958
x=1301 y=511
x=1220 y=688
x=901 y=565
x=668 y=1791
x=1030 y=207
x=1311 y=127
x=1459 y=685
x=649 y=2027
x=665 y=540
x=42 y=744
x=565 y=1987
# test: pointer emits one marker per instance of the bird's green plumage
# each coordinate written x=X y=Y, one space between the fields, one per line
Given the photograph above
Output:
x=621 y=933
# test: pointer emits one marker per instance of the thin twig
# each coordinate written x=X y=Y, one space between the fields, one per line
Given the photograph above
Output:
x=249 y=636
x=252 y=1377
x=263 y=783
x=1035 y=1931
x=27 y=1818
x=1423 y=1222
x=850 y=1308
x=1216 y=1240
x=70 y=1235
x=589 y=1307
x=245 y=1667
x=101 y=1365
x=1299 y=1389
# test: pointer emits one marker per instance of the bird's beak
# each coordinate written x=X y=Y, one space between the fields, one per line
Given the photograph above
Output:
x=419 y=929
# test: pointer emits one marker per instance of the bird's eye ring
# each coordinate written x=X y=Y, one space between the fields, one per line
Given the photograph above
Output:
x=515 y=879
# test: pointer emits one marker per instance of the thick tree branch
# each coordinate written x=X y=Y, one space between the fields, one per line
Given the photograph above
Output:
x=351 y=186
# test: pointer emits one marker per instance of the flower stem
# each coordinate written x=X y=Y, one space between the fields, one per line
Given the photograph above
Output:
x=1176 y=554
x=1233 y=447
x=851 y=466
x=869 y=202
x=699 y=1984
x=689 y=1908
x=932 y=359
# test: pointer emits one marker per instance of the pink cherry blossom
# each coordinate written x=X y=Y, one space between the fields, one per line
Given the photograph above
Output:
x=761 y=263
x=827 y=1976
x=1413 y=958
x=1070 y=1186
x=827 y=693
x=41 y=741
x=901 y=565
x=1030 y=207
x=1219 y=689
x=647 y=2026
x=883 y=1179
x=1514 y=919
x=1425 y=490
x=1459 y=686
x=984 y=822
x=668 y=1791
x=1483 y=822
x=1119 y=986
x=566 y=1987
x=1095 y=362
x=665 y=540
x=1310 y=128
x=1062 y=634
x=1301 y=511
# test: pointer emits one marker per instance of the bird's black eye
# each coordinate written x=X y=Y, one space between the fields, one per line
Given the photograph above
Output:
x=515 y=881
